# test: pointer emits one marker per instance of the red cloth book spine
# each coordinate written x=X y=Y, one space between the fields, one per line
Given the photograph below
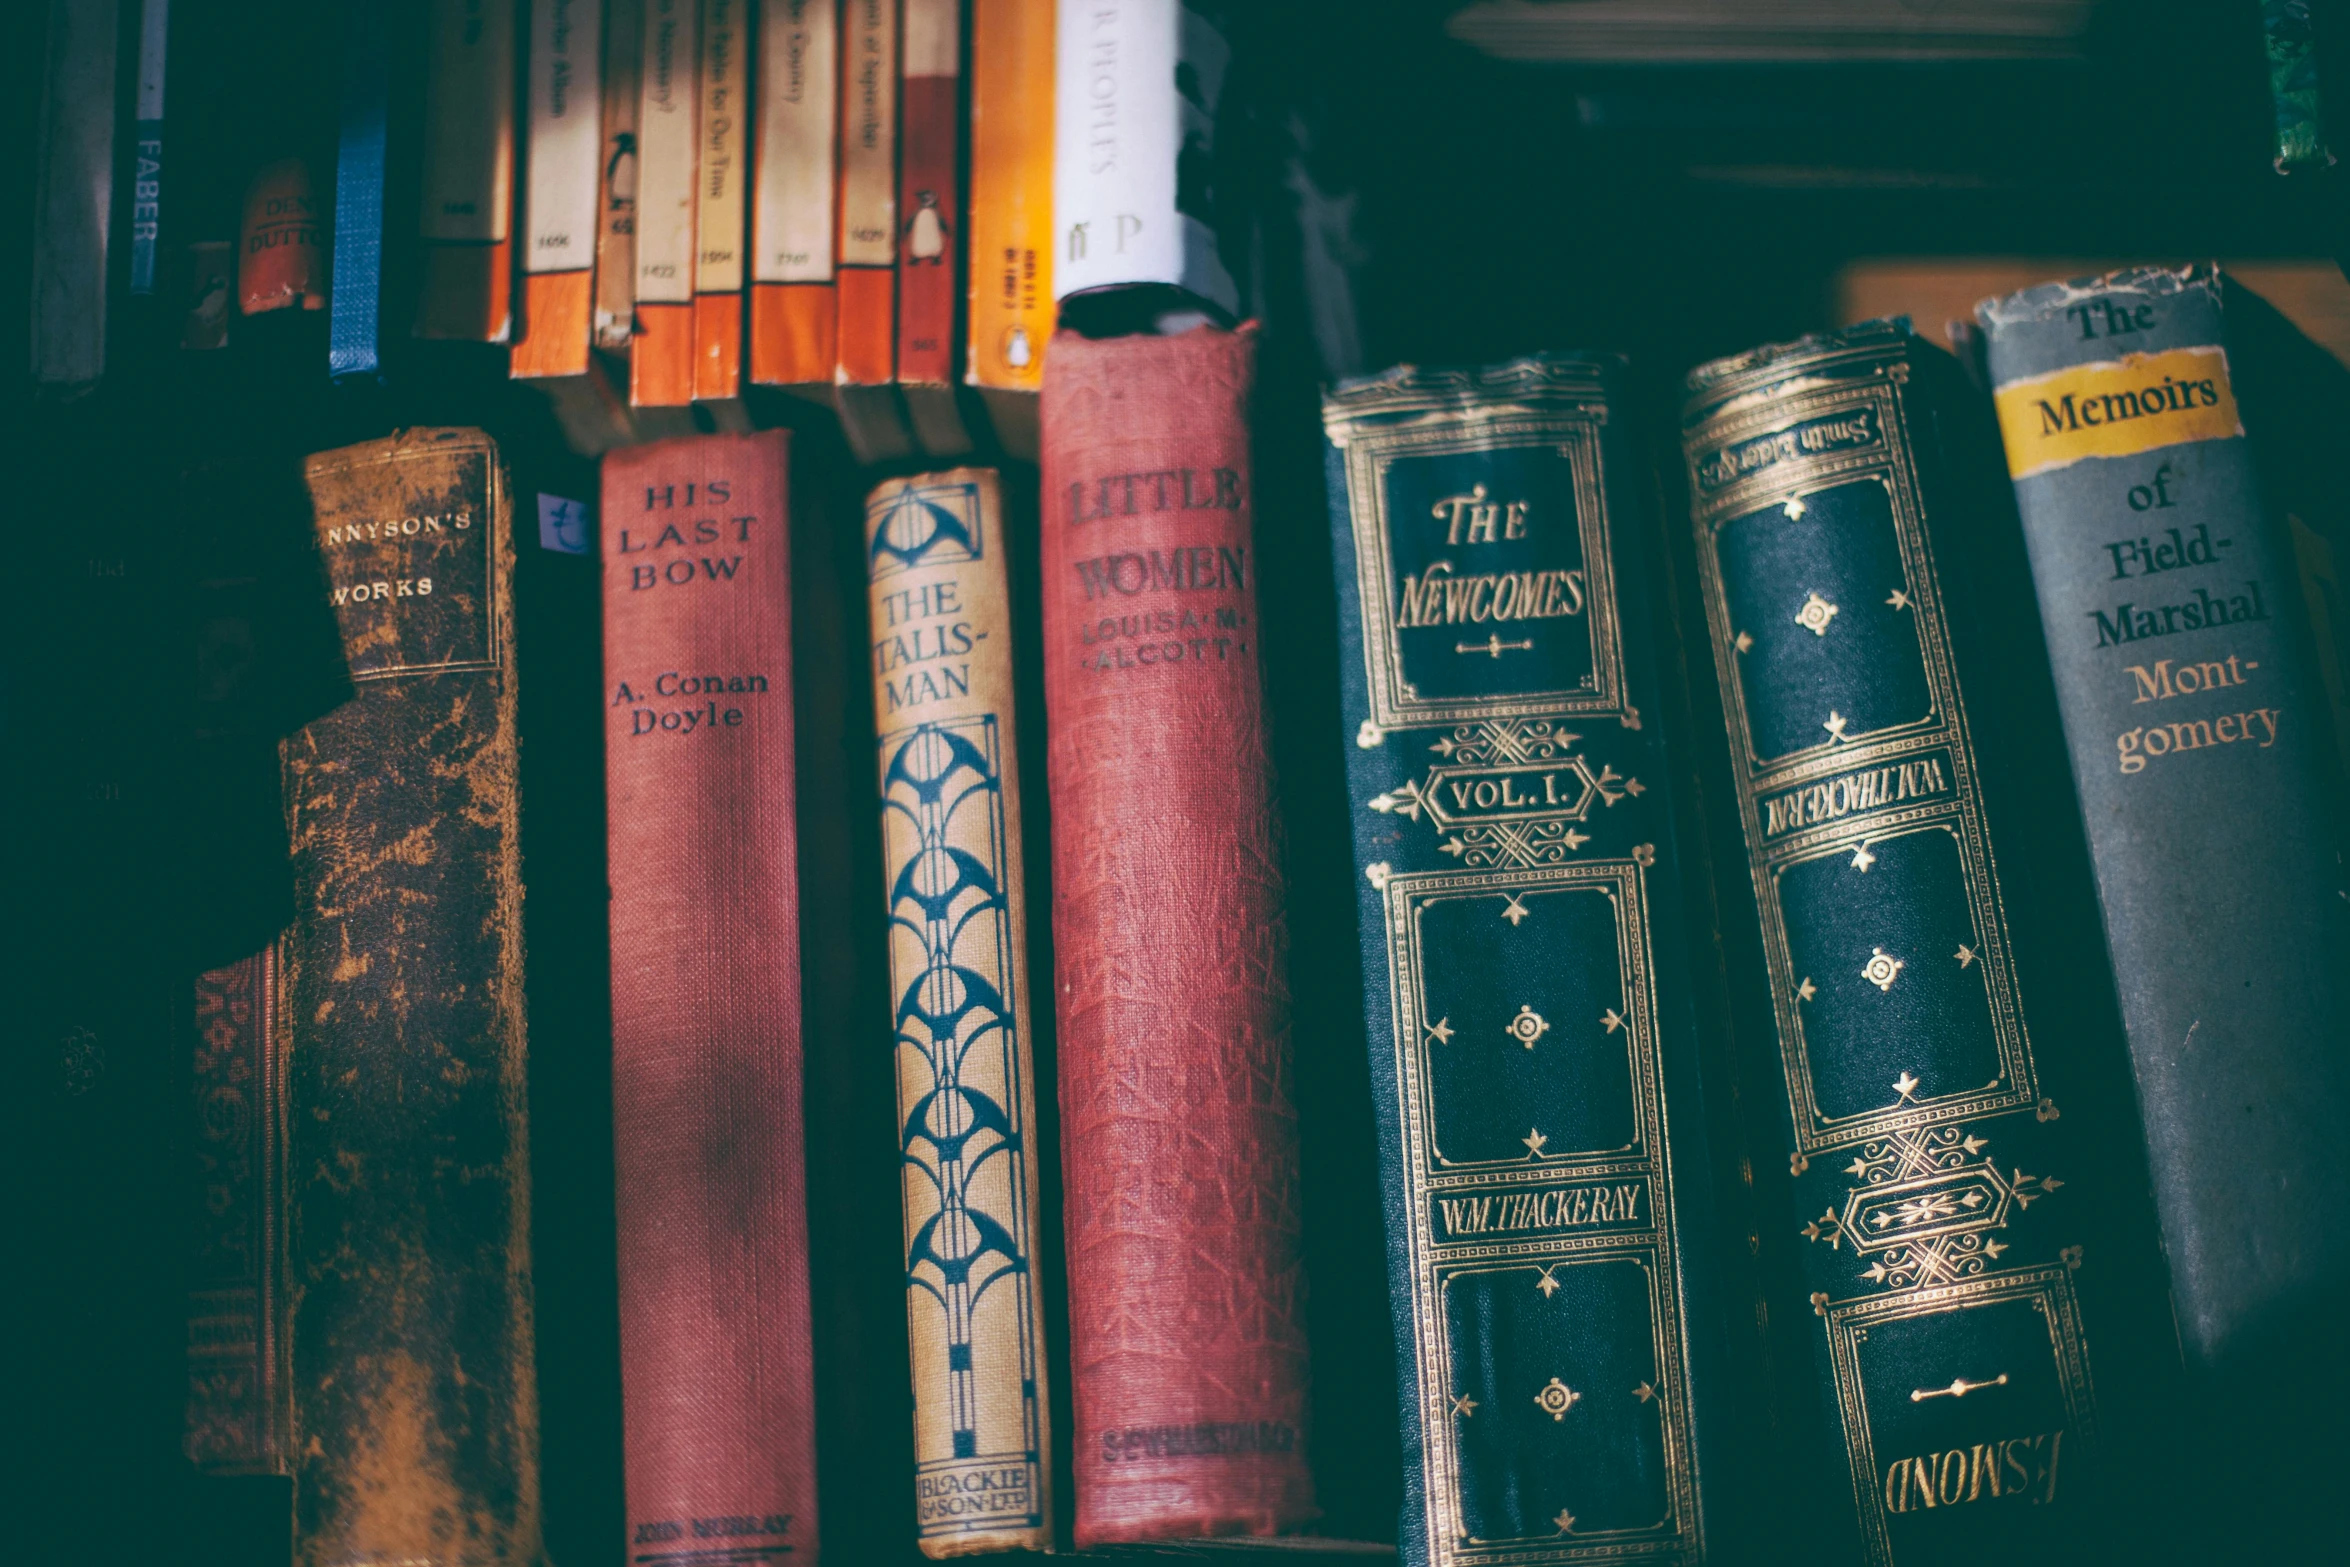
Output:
x=716 y=1381
x=1179 y=1130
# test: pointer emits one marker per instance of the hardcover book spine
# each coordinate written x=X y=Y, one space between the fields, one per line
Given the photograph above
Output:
x=281 y=249
x=720 y=218
x=661 y=352
x=354 y=330
x=1122 y=127
x=465 y=283
x=559 y=197
x=415 y=1405
x=615 y=289
x=930 y=198
x=147 y=134
x=1011 y=215
x=1533 y=1050
x=1942 y=1197
x=236 y=1387
x=792 y=304
x=2197 y=721
x=958 y=935
x=1187 y=1347
x=716 y=1377
x=867 y=280
x=73 y=173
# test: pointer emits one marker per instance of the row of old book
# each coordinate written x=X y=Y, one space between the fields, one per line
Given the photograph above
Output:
x=858 y=199
x=1986 y=1105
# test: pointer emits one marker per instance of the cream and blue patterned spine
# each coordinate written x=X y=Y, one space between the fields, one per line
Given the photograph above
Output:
x=950 y=809
x=1941 y=1196
x=1532 y=1040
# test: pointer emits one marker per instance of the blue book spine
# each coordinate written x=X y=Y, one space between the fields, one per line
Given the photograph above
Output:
x=1532 y=1039
x=1954 y=1201
x=354 y=339
x=2176 y=576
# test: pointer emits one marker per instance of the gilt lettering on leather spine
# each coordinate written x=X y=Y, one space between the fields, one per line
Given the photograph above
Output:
x=2198 y=723
x=1533 y=1050
x=717 y=1395
x=1179 y=1131
x=1946 y=1204
x=966 y=1070
x=414 y=1396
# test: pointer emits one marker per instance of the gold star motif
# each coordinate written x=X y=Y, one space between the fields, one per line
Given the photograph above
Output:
x=1548 y=1285
x=1513 y=910
x=1635 y=788
x=1806 y=990
x=1440 y=1030
x=1612 y=1018
x=1566 y=1521
x=1992 y=1249
x=1862 y=859
x=1463 y=1405
x=1533 y=1141
x=1835 y=724
x=1794 y=509
x=1965 y=954
x=1899 y=600
x=1645 y=1393
x=1905 y=1085
x=1743 y=641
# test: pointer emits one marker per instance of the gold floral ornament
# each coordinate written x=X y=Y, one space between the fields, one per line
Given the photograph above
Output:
x=1556 y=1398
x=1815 y=615
x=1528 y=1026
x=1882 y=969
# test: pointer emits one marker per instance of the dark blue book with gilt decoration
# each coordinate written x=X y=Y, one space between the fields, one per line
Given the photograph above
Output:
x=1532 y=1036
x=1921 y=977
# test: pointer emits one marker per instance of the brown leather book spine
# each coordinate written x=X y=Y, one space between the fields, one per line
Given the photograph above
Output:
x=235 y=1099
x=414 y=1433
x=930 y=195
x=715 y=1359
x=1179 y=1132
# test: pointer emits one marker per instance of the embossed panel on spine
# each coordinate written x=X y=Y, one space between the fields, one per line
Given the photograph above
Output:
x=1942 y=1200
x=717 y=1402
x=1533 y=1054
x=1187 y=1345
x=414 y=1397
x=958 y=916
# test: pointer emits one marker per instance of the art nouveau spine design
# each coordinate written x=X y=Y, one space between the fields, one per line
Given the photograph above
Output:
x=950 y=823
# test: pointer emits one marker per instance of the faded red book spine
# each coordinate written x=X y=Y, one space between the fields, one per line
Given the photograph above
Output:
x=718 y=1404
x=1179 y=1131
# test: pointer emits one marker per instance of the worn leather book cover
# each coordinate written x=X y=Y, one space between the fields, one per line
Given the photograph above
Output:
x=966 y=1066
x=414 y=1397
x=866 y=283
x=2170 y=441
x=1179 y=1127
x=1528 y=999
x=1011 y=209
x=718 y=1407
x=465 y=283
x=1923 y=984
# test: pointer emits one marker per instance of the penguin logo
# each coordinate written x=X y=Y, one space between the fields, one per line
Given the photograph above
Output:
x=620 y=171
x=926 y=230
x=1019 y=353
